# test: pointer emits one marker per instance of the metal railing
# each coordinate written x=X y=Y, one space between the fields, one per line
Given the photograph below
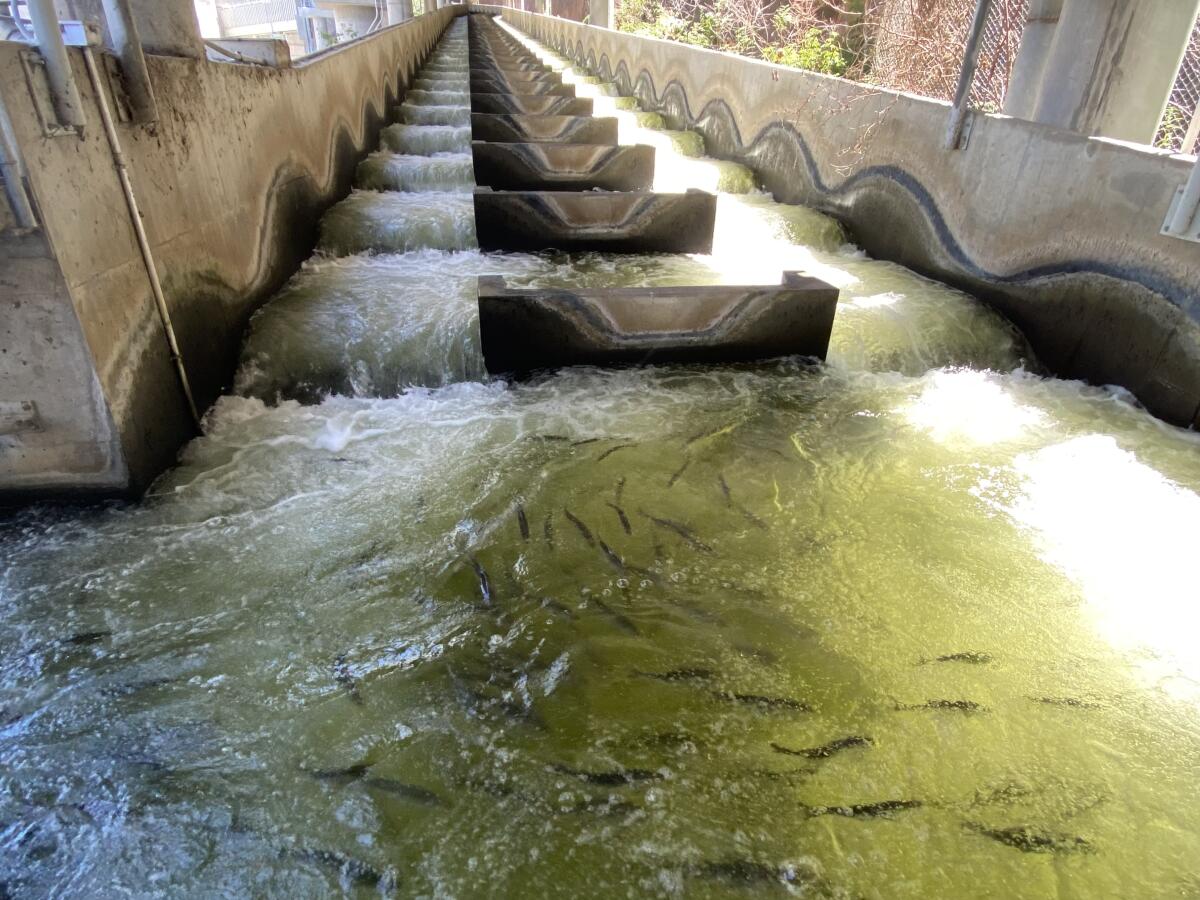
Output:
x=1179 y=129
x=255 y=12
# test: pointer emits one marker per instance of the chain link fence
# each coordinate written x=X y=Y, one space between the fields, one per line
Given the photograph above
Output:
x=1179 y=129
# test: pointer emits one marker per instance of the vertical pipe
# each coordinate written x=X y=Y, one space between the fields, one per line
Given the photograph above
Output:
x=67 y=104
x=135 y=217
x=966 y=76
x=14 y=174
x=125 y=39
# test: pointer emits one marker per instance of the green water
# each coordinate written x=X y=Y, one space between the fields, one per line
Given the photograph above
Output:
x=353 y=644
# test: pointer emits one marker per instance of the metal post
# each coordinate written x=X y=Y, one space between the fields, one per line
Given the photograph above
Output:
x=14 y=174
x=125 y=39
x=966 y=77
x=67 y=104
x=1187 y=207
x=139 y=230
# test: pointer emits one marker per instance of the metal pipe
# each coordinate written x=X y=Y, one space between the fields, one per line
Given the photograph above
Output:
x=233 y=54
x=67 y=104
x=13 y=172
x=135 y=218
x=1189 y=204
x=966 y=76
x=122 y=28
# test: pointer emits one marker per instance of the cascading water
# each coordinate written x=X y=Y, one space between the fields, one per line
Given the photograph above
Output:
x=917 y=622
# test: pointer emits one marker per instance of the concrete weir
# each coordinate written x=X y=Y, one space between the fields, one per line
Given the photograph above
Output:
x=525 y=330
x=579 y=196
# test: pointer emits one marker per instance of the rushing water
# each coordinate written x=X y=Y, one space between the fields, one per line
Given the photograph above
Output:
x=390 y=626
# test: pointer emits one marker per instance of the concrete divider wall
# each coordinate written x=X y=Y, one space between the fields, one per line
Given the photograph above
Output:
x=1058 y=231
x=232 y=181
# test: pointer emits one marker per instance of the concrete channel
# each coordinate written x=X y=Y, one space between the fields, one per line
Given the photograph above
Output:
x=607 y=538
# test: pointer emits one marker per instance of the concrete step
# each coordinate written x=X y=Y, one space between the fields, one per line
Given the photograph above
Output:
x=613 y=221
x=563 y=167
x=526 y=330
x=522 y=129
x=536 y=88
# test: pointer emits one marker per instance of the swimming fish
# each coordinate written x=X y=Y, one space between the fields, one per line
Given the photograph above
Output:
x=86 y=638
x=725 y=490
x=619 y=490
x=583 y=529
x=611 y=450
x=610 y=778
x=603 y=806
x=356 y=870
x=622 y=518
x=485 y=583
x=692 y=674
x=1073 y=702
x=763 y=702
x=968 y=706
x=967 y=656
x=411 y=792
x=522 y=522
x=1032 y=840
x=678 y=473
x=621 y=619
x=732 y=504
x=548 y=530
x=613 y=557
x=880 y=809
x=825 y=750
x=341 y=671
x=688 y=536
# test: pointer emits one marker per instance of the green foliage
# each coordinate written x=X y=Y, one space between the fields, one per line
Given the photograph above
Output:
x=1172 y=128
x=816 y=51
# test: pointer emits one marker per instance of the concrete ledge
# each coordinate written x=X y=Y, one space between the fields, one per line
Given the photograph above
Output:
x=521 y=129
x=525 y=330
x=617 y=222
x=563 y=167
x=525 y=88
x=531 y=104
x=1059 y=231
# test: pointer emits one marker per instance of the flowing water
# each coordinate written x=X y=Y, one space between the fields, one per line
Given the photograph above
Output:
x=917 y=622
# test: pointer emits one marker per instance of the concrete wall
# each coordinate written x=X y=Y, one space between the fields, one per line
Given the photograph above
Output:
x=232 y=181
x=1057 y=230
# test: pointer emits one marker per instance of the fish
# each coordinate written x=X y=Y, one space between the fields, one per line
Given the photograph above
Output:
x=349 y=773
x=548 y=530
x=622 y=518
x=678 y=473
x=563 y=609
x=356 y=870
x=613 y=557
x=485 y=583
x=750 y=872
x=626 y=623
x=1032 y=840
x=966 y=656
x=619 y=490
x=968 y=706
x=611 y=450
x=584 y=442
x=725 y=490
x=759 y=654
x=611 y=777
x=691 y=674
x=751 y=517
x=763 y=702
x=1073 y=702
x=583 y=529
x=715 y=432
x=85 y=639
x=341 y=671
x=136 y=687
x=522 y=522
x=879 y=809
x=688 y=536
x=825 y=750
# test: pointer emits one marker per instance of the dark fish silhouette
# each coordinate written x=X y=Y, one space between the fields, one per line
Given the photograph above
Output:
x=411 y=792
x=725 y=490
x=968 y=706
x=485 y=583
x=966 y=656
x=688 y=536
x=563 y=609
x=548 y=530
x=611 y=778
x=1032 y=840
x=624 y=519
x=751 y=873
x=350 y=773
x=85 y=639
x=678 y=473
x=611 y=450
x=613 y=558
x=602 y=806
x=522 y=522
x=1073 y=702
x=763 y=702
x=626 y=623
x=693 y=674
x=619 y=490
x=341 y=671
x=583 y=529
x=881 y=809
x=825 y=750
x=356 y=870
x=584 y=442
